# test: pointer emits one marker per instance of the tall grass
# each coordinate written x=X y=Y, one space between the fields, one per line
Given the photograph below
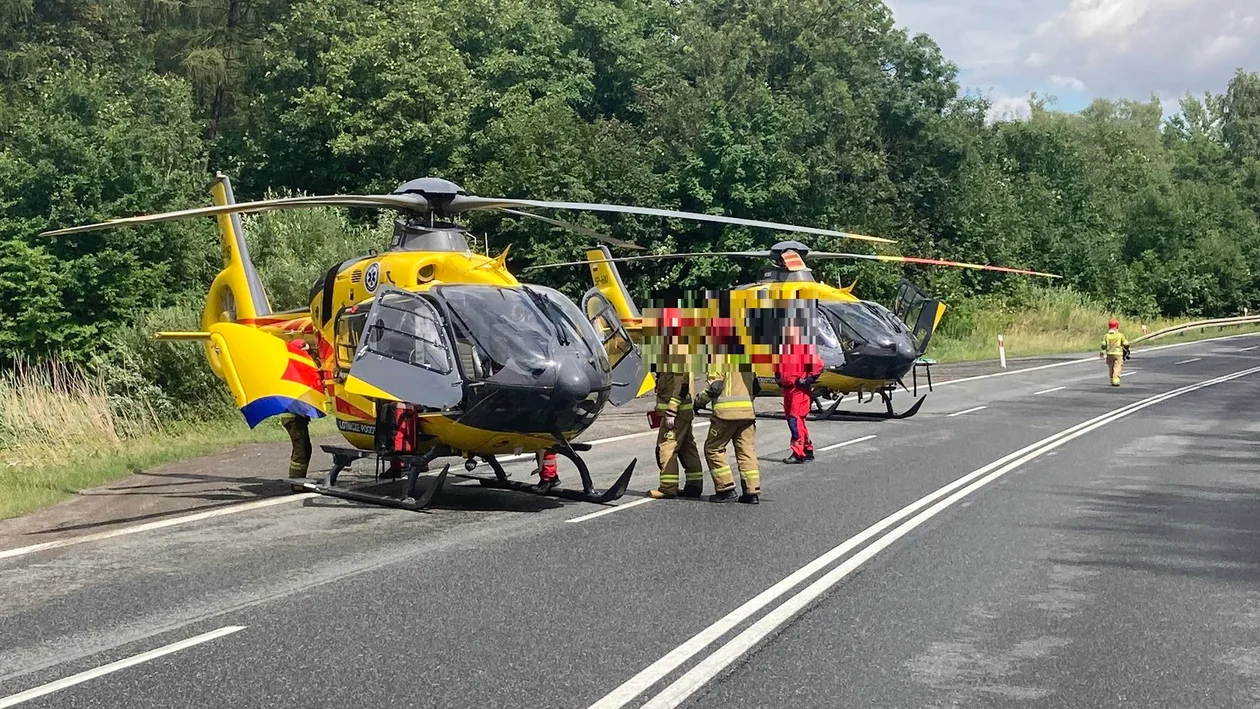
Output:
x=1046 y=321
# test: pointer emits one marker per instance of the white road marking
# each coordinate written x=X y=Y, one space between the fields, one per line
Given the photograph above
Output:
x=611 y=510
x=1091 y=359
x=15 y=699
x=1127 y=374
x=242 y=507
x=1248 y=349
x=161 y=524
x=846 y=443
x=1047 y=391
x=968 y=411
x=1188 y=361
x=677 y=692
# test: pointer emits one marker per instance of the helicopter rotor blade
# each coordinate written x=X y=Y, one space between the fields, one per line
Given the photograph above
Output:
x=576 y=228
x=463 y=203
x=654 y=257
x=928 y=261
x=408 y=202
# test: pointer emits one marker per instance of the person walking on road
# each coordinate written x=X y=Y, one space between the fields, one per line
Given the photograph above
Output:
x=1115 y=349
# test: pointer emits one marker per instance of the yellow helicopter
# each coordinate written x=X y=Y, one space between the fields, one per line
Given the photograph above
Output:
x=427 y=349
x=866 y=348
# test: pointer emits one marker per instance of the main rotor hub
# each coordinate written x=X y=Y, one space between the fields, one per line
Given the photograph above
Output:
x=437 y=191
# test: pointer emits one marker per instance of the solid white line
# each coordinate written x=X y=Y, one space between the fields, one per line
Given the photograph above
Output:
x=1188 y=361
x=968 y=411
x=242 y=507
x=611 y=510
x=1248 y=349
x=1127 y=374
x=149 y=526
x=846 y=443
x=676 y=693
x=1090 y=359
x=103 y=670
x=1047 y=391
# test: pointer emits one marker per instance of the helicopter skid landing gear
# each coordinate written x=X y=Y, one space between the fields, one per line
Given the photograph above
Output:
x=343 y=457
x=588 y=493
x=889 y=413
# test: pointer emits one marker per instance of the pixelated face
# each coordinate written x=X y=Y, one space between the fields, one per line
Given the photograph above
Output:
x=712 y=330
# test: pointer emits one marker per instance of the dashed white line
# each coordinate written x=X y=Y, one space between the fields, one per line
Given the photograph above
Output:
x=1047 y=391
x=846 y=443
x=1248 y=349
x=1188 y=361
x=1127 y=374
x=967 y=411
x=1091 y=359
x=15 y=699
x=610 y=510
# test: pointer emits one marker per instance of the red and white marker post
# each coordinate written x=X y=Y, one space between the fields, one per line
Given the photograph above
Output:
x=1001 y=352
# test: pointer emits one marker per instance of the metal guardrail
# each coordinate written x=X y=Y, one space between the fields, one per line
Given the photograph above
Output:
x=1201 y=324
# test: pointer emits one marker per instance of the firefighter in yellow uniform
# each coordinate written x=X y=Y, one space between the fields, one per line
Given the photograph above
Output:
x=1115 y=348
x=729 y=396
x=675 y=439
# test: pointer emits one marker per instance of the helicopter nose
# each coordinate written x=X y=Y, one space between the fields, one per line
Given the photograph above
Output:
x=906 y=352
x=572 y=383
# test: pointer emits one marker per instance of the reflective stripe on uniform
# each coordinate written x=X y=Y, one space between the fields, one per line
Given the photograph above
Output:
x=733 y=405
x=695 y=476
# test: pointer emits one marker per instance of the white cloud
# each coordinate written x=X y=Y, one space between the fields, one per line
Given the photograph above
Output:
x=1109 y=48
x=1070 y=82
x=1005 y=107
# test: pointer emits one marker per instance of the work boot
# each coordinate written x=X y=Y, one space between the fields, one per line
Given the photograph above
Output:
x=794 y=459
x=723 y=496
x=809 y=454
x=546 y=482
x=753 y=498
x=659 y=494
x=692 y=491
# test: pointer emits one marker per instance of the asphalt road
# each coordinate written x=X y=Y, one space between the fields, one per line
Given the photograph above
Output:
x=1113 y=566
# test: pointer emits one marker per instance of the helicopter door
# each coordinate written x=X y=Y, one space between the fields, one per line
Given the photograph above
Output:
x=919 y=312
x=626 y=360
x=405 y=354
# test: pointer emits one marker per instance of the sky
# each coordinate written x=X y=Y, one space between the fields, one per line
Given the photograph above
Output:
x=1077 y=50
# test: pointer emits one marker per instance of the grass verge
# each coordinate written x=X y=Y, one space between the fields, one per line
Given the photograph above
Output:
x=61 y=432
x=1056 y=322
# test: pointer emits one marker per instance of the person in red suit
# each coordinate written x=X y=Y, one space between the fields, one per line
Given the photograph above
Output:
x=798 y=369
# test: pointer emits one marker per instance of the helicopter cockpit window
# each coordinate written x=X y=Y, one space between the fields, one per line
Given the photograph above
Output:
x=825 y=331
x=608 y=326
x=408 y=330
x=887 y=316
x=349 y=330
x=858 y=323
x=499 y=324
x=569 y=318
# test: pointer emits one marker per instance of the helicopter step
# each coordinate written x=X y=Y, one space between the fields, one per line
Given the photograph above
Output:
x=500 y=481
x=888 y=414
x=415 y=465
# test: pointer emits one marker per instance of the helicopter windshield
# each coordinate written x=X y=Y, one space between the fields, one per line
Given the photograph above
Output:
x=503 y=324
x=568 y=317
x=825 y=331
x=858 y=323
